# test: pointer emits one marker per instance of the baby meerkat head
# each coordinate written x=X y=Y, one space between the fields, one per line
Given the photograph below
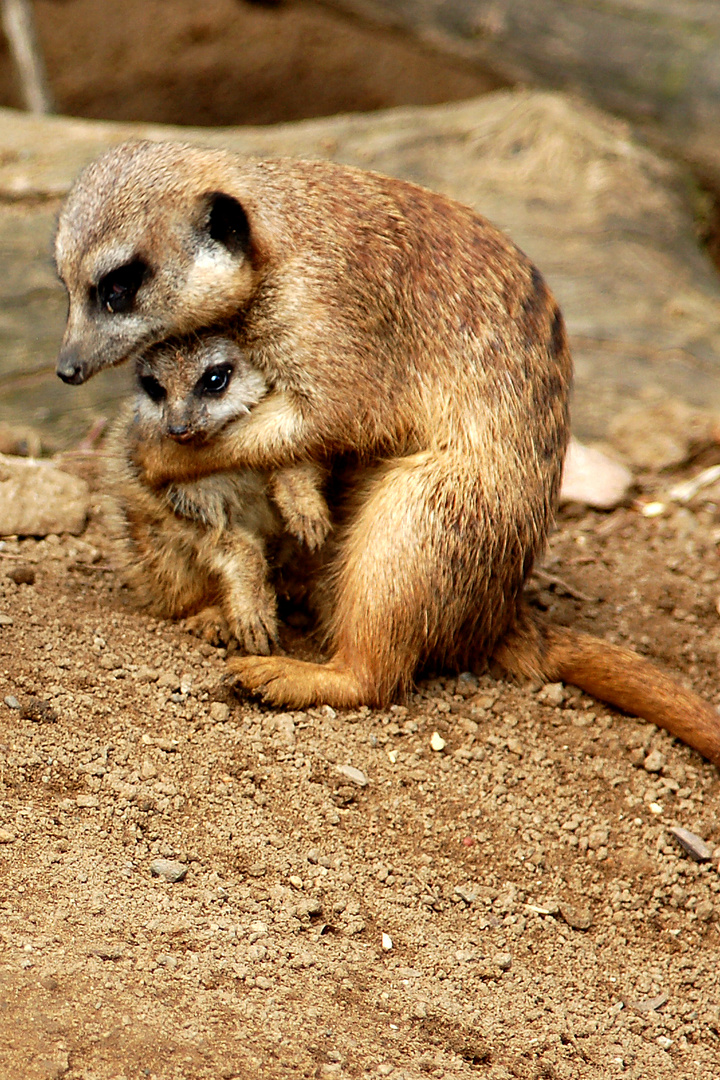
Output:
x=153 y=241
x=190 y=389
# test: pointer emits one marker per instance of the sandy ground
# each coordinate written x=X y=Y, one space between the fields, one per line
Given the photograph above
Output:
x=542 y=922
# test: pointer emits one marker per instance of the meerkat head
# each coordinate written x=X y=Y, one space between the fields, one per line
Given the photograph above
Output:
x=190 y=389
x=152 y=241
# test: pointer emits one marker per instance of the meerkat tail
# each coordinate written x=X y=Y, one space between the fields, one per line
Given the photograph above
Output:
x=615 y=675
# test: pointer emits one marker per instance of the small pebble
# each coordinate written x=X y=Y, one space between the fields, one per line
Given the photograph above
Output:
x=6 y=620
x=696 y=848
x=593 y=478
x=652 y=509
x=553 y=693
x=705 y=911
x=6 y=837
x=310 y=906
x=467 y=683
x=357 y=776
x=168 y=680
x=22 y=575
x=12 y=702
x=387 y=942
x=437 y=742
x=87 y=802
x=576 y=917
x=654 y=762
x=168 y=869
x=37 y=710
x=504 y=961
x=219 y=712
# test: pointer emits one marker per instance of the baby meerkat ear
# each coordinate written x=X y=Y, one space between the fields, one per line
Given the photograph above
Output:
x=227 y=222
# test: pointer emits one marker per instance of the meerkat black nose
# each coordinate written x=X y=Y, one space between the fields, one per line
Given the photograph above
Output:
x=179 y=432
x=69 y=368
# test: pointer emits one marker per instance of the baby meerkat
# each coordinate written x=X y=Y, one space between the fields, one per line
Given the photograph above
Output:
x=199 y=548
x=392 y=324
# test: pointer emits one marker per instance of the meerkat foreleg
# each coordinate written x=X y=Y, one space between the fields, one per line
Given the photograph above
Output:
x=237 y=560
x=297 y=492
x=275 y=434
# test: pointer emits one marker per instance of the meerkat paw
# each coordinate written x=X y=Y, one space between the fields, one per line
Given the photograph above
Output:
x=282 y=680
x=256 y=631
x=211 y=625
x=310 y=530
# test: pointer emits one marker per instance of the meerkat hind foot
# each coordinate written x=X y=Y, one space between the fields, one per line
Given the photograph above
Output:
x=283 y=680
x=211 y=625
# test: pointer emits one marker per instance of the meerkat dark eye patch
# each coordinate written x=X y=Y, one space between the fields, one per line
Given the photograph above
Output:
x=116 y=291
x=214 y=381
x=228 y=223
x=154 y=390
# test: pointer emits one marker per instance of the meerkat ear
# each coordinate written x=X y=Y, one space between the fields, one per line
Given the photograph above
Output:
x=227 y=222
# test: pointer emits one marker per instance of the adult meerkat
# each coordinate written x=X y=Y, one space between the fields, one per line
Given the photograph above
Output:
x=199 y=548
x=392 y=323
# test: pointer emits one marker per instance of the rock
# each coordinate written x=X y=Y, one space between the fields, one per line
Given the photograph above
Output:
x=285 y=727
x=556 y=173
x=310 y=906
x=12 y=702
x=87 y=802
x=20 y=440
x=6 y=620
x=660 y=435
x=37 y=710
x=647 y=1006
x=467 y=684
x=654 y=762
x=504 y=961
x=674 y=99
x=696 y=848
x=553 y=693
x=437 y=742
x=22 y=575
x=592 y=478
x=356 y=776
x=466 y=893
x=705 y=910
x=576 y=917
x=168 y=869
x=37 y=498
x=219 y=712
x=6 y=837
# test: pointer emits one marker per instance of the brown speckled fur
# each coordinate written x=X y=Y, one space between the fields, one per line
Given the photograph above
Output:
x=397 y=325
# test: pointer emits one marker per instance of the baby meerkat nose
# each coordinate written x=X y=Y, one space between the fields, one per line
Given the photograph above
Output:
x=179 y=432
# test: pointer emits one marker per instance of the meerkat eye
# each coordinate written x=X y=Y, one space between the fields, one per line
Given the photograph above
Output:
x=116 y=291
x=214 y=381
x=154 y=390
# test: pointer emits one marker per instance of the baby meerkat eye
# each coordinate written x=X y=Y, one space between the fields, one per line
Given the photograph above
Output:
x=214 y=381
x=116 y=291
x=154 y=390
